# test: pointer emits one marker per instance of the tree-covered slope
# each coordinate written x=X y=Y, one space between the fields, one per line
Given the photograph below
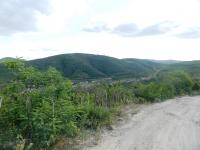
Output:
x=143 y=66
x=192 y=67
x=87 y=66
x=166 y=62
x=6 y=59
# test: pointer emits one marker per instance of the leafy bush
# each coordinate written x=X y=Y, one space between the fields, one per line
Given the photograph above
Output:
x=97 y=117
x=181 y=81
x=164 y=86
x=37 y=106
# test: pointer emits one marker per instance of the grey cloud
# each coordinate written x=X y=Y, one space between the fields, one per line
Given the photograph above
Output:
x=97 y=28
x=132 y=30
x=123 y=29
x=126 y=29
x=20 y=15
x=191 y=33
x=158 y=29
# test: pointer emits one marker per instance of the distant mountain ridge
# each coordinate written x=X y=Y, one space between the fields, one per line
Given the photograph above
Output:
x=78 y=66
x=166 y=61
x=6 y=59
x=192 y=67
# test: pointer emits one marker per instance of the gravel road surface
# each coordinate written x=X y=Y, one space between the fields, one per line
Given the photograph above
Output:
x=170 y=125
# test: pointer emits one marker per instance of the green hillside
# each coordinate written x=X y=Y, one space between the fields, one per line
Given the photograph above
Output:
x=167 y=62
x=192 y=67
x=144 y=66
x=87 y=66
x=6 y=59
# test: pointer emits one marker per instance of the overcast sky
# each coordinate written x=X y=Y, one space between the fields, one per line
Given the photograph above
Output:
x=153 y=29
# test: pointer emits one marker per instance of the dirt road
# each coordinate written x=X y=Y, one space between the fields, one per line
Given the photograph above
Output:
x=170 y=125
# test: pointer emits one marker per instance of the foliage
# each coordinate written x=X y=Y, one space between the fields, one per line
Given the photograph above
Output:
x=96 y=117
x=87 y=66
x=191 y=67
x=110 y=95
x=37 y=108
x=181 y=81
x=42 y=106
x=165 y=85
x=196 y=85
x=37 y=105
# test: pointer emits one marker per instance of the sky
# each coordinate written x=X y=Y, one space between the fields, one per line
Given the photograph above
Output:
x=148 y=29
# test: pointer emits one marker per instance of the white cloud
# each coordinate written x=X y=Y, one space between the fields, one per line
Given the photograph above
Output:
x=132 y=30
x=60 y=31
x=106 y=44
x=63 y=11
x=147 y=12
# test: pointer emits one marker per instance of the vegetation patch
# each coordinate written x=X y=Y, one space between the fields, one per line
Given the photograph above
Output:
x=38 y=109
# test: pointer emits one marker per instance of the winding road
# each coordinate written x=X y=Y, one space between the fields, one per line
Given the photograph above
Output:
x=170 y=125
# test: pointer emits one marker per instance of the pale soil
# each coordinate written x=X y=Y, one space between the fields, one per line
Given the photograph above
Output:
x=170 y=125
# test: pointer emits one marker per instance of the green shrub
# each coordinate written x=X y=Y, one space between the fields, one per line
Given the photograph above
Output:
x=97 y=117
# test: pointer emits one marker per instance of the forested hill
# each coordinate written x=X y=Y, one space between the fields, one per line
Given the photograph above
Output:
x=88 y=66
x=6 y=59
x=191 y=67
